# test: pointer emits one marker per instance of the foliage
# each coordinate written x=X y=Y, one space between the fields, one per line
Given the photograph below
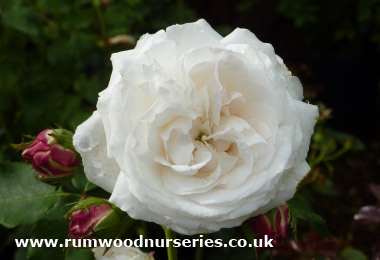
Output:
x=20 y=190
x=55 y=57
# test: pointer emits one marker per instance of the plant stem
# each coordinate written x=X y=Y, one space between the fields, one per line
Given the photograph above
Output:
x=172 y=251
x=249 y=235
x=102 y=24
x=199 y=251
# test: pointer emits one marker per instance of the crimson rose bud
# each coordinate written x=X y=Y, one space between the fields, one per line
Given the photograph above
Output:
x=52 y=160
x=95 y=218
x=84 y=222
x=262 y=226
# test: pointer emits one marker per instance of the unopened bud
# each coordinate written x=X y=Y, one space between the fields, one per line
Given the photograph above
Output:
x=49 y=156
x=94 y=218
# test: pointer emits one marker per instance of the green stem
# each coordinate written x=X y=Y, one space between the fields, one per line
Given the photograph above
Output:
x=85 y=187
x=336 y=154
x=172 y=251
x=319 y=158
x=249 y=235
x=101 y=21
x=199 y=251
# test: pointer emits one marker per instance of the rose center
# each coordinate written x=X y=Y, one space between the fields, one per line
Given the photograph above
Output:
x=201 y=138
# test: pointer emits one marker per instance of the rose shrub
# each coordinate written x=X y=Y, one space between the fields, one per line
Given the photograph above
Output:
x=198 y=132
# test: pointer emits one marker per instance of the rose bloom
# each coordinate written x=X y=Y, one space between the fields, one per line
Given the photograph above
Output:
x=198 y=132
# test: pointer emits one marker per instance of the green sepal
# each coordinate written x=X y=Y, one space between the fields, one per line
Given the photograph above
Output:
x=64 y=138
x=23 y=145
x=85 y=204
x=55 y=180
x=108 y=227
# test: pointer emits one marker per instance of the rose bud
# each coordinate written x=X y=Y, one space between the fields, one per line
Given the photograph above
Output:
x=52 y=155
x=94 y=218
x=282 y=221
x=262 y=226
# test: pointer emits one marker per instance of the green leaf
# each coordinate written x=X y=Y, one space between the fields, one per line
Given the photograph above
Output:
x=21 y=19
x=79 y=253
x=80 y=181
x=21 y=191
x=60 y=209
x=49 y=229
x=317 y=223
x=300 y=209
x=350 y=253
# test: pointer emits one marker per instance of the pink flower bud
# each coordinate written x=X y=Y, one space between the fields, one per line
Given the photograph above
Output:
x=282 y=221
x=50 y=159
x=262 y=226
x=84 y=222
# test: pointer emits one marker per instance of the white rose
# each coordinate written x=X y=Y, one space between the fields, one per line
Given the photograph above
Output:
x=120 y=253
x=198 y=132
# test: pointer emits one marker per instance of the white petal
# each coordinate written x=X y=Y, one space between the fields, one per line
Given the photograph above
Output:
x=120 y=253
x=90 y=141
x=180 y=148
